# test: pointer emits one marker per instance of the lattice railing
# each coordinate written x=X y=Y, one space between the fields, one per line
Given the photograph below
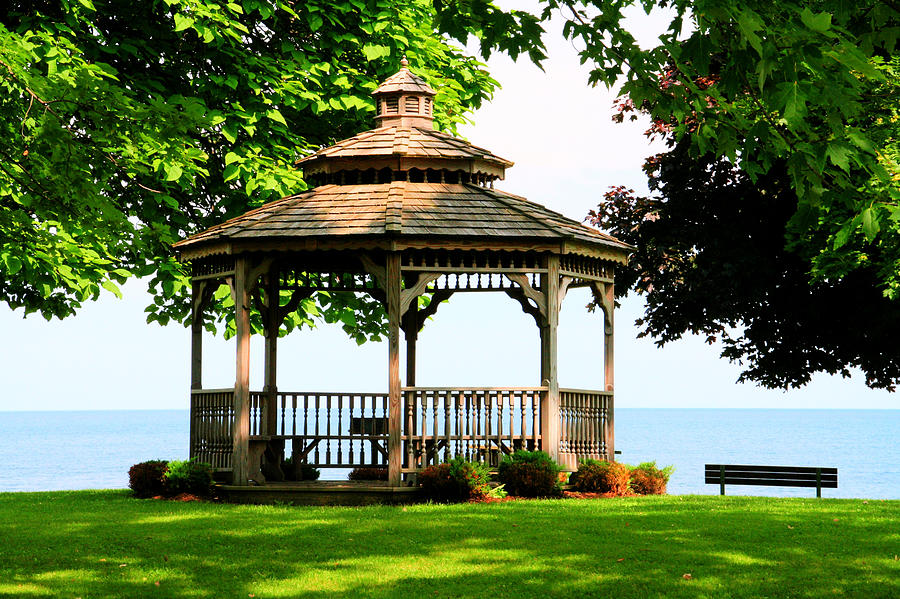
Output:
x=212 y=419
x=480 y=424
x=329 y=430
x=585 y=418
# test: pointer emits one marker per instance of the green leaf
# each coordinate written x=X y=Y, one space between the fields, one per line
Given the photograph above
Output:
x=173 y=172
x=275 y=115
x=839 y=153
x=112 y=288
x=182 y=22
x=13 y=264
x=315 y=22
x=870 y=223
x=374 y=52
x=793 y=102
x=232 y=157
x=820 y=22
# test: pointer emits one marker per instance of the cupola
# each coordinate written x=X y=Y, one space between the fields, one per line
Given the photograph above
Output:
x=404 y=100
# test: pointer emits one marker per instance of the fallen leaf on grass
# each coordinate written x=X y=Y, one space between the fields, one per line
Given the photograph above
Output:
x=687 y=577
x=621 y=559
x=791 y=527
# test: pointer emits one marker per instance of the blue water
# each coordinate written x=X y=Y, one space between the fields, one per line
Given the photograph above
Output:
x=44 y=451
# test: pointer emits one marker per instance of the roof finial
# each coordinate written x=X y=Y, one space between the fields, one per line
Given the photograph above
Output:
x=403 y=62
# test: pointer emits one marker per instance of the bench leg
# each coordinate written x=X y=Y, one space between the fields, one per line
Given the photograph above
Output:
x=819 y=483
x=721 y=480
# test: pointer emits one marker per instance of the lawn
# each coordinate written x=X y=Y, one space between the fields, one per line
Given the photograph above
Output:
x=103 y=544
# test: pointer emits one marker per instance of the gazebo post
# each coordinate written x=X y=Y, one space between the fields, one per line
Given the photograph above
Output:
x=273 y=324
x=198 y=291
x=241 y=433
x=608 y=310
x=604 y=294
x=549 y=370
x=392 y=276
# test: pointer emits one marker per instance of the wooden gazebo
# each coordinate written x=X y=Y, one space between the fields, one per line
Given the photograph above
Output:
x=398 y=212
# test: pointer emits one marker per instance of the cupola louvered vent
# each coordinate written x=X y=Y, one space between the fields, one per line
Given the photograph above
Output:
x=392 y=105
x=411 y=104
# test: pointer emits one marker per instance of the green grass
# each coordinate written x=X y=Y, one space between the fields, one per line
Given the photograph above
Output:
x=104 y=544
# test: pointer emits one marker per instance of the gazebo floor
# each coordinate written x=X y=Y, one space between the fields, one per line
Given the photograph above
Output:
x=326 y=492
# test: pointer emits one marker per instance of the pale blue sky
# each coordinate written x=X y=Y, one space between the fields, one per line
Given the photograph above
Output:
x=567 y=153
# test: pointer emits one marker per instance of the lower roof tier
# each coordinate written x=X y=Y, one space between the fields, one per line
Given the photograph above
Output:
x=400 y=210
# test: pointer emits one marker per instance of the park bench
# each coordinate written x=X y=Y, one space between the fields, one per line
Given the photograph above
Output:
x=771 y=476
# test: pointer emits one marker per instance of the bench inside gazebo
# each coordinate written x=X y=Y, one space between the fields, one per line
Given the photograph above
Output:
x=400 y=212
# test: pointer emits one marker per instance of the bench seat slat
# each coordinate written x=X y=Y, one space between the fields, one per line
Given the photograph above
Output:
x=747 y=468
x=826 y=484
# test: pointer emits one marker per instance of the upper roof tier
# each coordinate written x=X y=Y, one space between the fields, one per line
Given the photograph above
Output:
x=402 y=149
x=404 y=99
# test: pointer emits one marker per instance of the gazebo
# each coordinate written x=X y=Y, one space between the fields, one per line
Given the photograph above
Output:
x=398 y=212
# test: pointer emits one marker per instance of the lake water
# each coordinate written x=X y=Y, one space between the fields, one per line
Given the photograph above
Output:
x=43 y=451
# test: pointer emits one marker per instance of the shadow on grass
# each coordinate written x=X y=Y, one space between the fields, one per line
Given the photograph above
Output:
x=104 y=544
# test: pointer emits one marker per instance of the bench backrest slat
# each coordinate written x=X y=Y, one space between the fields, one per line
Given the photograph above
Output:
x=775 y=476
x=744 y=468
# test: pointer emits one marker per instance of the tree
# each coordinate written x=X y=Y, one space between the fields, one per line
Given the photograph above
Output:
x=775 y=221
x=126 y=126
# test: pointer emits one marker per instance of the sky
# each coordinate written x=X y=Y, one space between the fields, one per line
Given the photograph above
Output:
x=567 y=153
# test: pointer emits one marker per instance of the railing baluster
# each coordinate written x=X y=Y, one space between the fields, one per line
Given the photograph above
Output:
x=447 y=452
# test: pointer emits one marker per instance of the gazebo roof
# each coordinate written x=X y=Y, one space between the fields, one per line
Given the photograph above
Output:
x=402 y=209
x=403 y=181
x=404 y=81
x=396 y=142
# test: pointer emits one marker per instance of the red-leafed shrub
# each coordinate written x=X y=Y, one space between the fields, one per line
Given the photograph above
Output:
x=146 y=478
x=368 y=474
x=596 y=476
x=456 y=480
x=647 y=479
x=530 y=474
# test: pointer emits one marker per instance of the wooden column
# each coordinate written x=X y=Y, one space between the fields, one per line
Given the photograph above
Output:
x=273 y=324
x=412 y=335
x=609 y=305
x=197 y=292
x=549 y=371
x=241 y=453
x=392 y=293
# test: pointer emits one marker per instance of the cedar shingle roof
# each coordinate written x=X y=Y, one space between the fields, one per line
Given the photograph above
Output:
x=404 y=81
x=402 y=208
x=405 y=142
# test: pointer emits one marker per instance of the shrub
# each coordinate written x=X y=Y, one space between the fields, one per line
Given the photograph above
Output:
x=530 y=474
x=647 y=479
x=303 y=471
x=188 y=476
x=596 y=476
x=456 y=480
x=146 y=479
x=437 y=484
x=368 y=474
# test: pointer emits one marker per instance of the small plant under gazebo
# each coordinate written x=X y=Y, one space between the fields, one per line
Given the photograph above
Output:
x=398 y=212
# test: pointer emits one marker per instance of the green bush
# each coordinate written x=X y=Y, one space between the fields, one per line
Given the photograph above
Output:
x=368 y=474
x=146 y=478
x=302 y=471
x=598 y=476
x=456 y=480
x=530 y=474
x=188 y=476
x=647 y=479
